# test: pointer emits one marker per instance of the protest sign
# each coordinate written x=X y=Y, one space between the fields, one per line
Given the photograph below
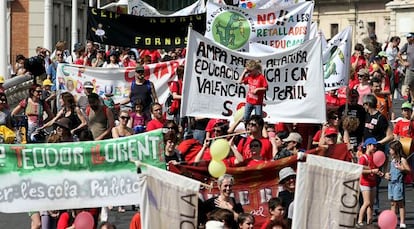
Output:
x=126 y=30
x=141 y=8
x=336 y=60
x=253 y=186
x=326 y=194
x=212 y=72
x=280 y=27
x=116 y=81
x=168 y=200
x=263 y=4
x=35 y=177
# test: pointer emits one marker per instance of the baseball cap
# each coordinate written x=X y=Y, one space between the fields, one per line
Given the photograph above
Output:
x=409 y=35
x=88 y=84
x=1 y=79
x=139 y=68
x=370 y=141
x=286 y=173
x=382 y=54
x=363 y=72
x=47 y=82
x=367 y=51
x=331 y=131
x=293 y=136
x=406 y=105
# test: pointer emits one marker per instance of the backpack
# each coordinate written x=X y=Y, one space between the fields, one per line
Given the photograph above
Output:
x=172 y=105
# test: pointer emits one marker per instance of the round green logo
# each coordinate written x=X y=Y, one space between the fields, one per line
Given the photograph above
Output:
x=231 y=29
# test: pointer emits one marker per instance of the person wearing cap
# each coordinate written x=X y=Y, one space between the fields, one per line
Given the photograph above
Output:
x=358 y=62
x=101 y=118
x=83 y=99
x=143 y=89
x=176 y=90
x=48 y=95
x=257 y=84
x=287 y=179
x=353 y=121
x=62 y=131
x=403 y=128
x=293 y=146
x=5 y=116
x=368 y=180
x=331 y=124
x=408 y=50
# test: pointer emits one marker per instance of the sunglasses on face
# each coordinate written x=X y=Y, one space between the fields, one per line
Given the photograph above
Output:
x=252 y=124
x=254 y=146
x=124 y=117
x=140 y=72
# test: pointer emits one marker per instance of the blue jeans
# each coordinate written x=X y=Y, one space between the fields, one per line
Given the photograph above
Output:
x=249 y=108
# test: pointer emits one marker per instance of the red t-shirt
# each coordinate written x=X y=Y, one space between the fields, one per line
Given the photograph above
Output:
x=244 y=148
x=402 y=127
x=154 y=124
x=258 y=81
x=369 y=180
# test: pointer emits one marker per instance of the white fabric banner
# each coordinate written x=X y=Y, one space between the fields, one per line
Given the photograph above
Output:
x=115 y=80
x=141 y=8
x=168 y=200
x=336 y=60
x=279 y=27
x=263 y=4
x=326 y=194
x=212 y=72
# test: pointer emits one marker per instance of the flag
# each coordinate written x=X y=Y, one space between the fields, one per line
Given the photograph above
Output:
x=326 y=194
x=336 y=60
x=141 y=8
x=168 y=200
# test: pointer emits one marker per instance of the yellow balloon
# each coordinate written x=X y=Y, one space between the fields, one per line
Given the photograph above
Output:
x=219 y=149
x=238 y=115
x=216 y=168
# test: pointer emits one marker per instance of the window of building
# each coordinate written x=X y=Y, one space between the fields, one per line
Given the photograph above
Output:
x=334 y=29
x=371 y=28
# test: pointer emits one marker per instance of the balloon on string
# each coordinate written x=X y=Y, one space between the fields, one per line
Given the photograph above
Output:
x=216 y=168
x=387 y=220
x=84 y=220
x=219 y=149
x=379 y=158
x=238 y=115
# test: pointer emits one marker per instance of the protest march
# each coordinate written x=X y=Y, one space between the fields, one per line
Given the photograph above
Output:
x=216 y=116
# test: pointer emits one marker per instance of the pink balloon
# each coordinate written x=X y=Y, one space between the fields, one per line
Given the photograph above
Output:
x=387 y=220
x=84 y=220
x=379 y=158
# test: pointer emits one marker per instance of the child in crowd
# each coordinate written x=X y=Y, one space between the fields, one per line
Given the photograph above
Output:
x=276 y=211
x=396 y=189
x=138 y=119
x=245 y=221
x=252 y=75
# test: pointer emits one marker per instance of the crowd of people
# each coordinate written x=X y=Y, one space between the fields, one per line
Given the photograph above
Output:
x=359 y=116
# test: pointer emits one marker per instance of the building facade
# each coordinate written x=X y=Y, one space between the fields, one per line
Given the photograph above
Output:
x=26 y=20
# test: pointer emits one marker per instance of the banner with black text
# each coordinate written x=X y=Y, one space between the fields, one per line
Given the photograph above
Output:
x=295 y=92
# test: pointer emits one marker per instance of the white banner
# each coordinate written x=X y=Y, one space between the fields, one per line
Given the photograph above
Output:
x=141 y=8
x=212 y=72
x=263 y=4
x=168 y=200
x=326 y=194
x=336 y=60
x=279 y=27
x=115 y=80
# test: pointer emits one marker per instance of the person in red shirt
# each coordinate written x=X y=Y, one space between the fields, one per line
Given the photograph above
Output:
x=403 y=128
x=252 y=76
x=276 y=211
x=157 y=121
x=368 y=180
x=255 y=159
x=358 y=61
